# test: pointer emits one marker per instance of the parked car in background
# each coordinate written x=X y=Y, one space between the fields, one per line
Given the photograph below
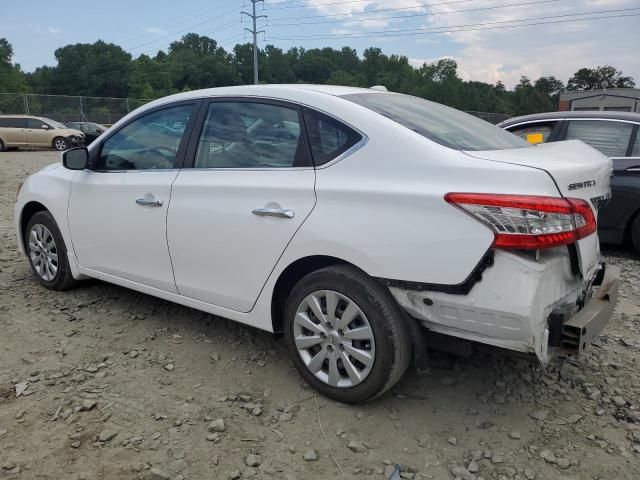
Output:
x=617 y=135
x=350 y=220
x=26 y=131
x=91 y=130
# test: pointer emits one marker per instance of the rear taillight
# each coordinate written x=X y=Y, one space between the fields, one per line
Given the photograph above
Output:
x=528 y=221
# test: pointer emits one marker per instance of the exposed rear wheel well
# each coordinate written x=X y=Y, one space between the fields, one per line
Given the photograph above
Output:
x=28 y=211
x=288 y=279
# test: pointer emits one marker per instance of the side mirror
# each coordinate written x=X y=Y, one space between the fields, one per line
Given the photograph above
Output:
x=44 y=127
x=76 y=158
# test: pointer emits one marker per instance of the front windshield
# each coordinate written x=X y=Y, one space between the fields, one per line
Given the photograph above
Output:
x=444 y=125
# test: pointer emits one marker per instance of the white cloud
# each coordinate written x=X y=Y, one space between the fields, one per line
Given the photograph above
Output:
x=38 y=30
x=557 y=49
x=153 y=30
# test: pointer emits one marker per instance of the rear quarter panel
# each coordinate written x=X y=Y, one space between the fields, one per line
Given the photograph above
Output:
x=383 y=207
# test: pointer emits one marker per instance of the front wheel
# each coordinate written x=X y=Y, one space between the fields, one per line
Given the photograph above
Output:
x=60 y=144
x=47 y=252
x=346 y=334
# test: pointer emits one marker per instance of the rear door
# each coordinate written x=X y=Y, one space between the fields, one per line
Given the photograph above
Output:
x=250 y=188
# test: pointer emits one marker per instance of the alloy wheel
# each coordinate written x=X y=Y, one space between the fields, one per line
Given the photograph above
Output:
x=334 y=338
x=60 y=144
x=43 y=252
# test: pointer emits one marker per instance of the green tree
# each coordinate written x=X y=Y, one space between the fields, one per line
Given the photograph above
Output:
x=12 y=79
x=598 y=78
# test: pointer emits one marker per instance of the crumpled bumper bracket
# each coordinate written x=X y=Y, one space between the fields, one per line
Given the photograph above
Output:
x=583 y=328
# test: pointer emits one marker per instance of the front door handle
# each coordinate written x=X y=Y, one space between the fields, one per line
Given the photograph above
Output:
x=273 y=212
x=149 y=202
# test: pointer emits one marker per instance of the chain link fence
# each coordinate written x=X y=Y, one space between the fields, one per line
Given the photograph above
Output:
x=491 y=117
x=105 y=110
x=66 y=108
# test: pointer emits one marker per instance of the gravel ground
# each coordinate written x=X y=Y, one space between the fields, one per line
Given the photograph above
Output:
x=115 y=384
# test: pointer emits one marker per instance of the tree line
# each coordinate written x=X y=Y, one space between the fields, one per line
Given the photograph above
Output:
x=106 y=70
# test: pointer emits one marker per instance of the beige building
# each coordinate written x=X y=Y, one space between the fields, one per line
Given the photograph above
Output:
x=613 y=99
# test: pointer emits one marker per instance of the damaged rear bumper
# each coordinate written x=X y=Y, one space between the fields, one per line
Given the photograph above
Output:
x=511 y=307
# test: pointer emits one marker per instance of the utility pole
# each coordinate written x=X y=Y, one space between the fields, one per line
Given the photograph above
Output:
x=255 y=33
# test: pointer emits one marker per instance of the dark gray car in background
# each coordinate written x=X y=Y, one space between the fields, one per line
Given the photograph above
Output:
x=617 y=135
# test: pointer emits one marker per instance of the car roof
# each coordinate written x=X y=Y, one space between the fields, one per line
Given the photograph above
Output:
x=597 y=114
x=277 y=91
x=21 y=115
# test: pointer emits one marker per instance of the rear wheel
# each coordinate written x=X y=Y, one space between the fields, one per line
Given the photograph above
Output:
x=346 y=334
x=60 y=144
x=47 y=252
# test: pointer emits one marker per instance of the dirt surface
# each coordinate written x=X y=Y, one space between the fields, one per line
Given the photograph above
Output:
x=119 y=385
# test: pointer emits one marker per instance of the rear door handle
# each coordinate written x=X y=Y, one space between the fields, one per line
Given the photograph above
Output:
x=273 y=212
x=149 y=202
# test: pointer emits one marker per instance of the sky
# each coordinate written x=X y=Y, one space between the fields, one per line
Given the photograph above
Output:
x=483 y=36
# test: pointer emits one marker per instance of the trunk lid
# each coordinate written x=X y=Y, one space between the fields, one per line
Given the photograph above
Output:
x=578 y=171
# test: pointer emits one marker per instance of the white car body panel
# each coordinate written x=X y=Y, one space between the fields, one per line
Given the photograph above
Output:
x=221 y=252
x=103 y=211
x=380 y=208
x=563 y=161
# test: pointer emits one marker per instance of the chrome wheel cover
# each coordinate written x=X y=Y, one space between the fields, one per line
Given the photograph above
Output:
x=60 y=144
x=43 y=252
x=334 y=339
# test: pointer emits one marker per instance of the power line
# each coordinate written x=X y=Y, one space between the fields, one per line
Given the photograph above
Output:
x=173 y=34
x=316 y=5
x=174 y=23
x=395 y=9
x=414 y=15
x=423 y=31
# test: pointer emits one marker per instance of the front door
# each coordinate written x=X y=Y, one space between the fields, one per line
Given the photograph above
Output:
x=38 y=133
x=118 y=209
x=233 y=214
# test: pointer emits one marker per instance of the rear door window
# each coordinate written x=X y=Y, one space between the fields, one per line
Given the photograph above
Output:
x=635 y=151
x=610 y=137
x=328 y=137
x=251 y=135
x=534 y=132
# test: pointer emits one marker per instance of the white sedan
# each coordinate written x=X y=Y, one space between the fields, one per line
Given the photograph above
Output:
x=365 y=226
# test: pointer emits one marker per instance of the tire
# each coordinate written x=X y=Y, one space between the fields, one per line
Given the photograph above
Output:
x=1 y=146
x=635 y=233
x=47 y=252
x=387 y=348
x=60 y=144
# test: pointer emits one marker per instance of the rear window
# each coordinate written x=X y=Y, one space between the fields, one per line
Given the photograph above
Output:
x=444 y=125
x=8 y=122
